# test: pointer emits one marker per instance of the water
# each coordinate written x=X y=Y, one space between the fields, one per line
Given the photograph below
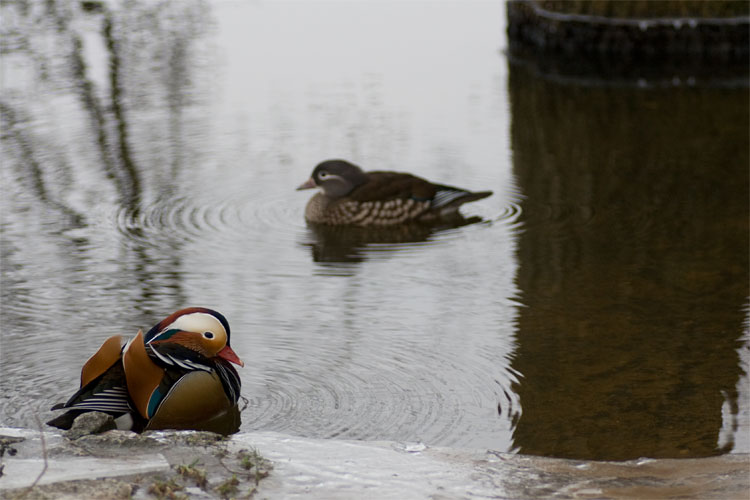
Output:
x=149 y=162
x=633 y=268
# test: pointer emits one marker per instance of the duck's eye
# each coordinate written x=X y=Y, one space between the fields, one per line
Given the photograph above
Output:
x=322 y=175
x=208 y=335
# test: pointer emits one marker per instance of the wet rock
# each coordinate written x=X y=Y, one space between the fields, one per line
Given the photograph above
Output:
x=161 y=464
x=7 y=445
x=116 y=439
x=188 y=438
x=93 y=422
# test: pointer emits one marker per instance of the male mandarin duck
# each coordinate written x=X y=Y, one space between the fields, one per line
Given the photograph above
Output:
x=179 y=376
x=353 y=197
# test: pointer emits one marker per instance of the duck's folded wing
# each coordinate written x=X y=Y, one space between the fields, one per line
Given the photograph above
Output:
x=102 y=382
x=107 y=393
x=384 y=186
x=447 y=197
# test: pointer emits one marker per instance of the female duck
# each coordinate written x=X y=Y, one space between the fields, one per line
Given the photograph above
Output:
x=350 y=196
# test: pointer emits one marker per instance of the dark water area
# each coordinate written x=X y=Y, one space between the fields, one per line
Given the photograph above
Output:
x=633 y=267
x=596 y=306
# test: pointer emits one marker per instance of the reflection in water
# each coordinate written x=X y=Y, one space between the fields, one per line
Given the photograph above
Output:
x=34 y=180
x=141 y=176
x=633 y=266
x=179 y=146
x=80 y=92
x=735 y=431
x=337 y=244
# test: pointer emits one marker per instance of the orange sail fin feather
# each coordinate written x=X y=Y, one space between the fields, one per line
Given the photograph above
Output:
x=107 y=355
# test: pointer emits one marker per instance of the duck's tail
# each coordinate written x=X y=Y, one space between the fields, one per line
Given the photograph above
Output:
x=448 y=198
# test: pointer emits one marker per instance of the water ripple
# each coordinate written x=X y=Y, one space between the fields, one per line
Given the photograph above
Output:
x=392 y=381
x=385 y=393
x=175 y=218
x=510 y=215
x=186 y=218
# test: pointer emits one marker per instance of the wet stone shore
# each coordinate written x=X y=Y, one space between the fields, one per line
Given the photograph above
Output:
x=187 y=464
x=692 y=47
x=720 y=39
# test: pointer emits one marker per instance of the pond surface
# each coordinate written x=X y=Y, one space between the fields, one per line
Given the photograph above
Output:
x=596 y=308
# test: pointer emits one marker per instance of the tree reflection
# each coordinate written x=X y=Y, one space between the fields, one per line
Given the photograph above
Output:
x=633 y=265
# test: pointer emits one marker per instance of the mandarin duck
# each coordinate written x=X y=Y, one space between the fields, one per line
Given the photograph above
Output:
x=350 y=196
x=179 y=376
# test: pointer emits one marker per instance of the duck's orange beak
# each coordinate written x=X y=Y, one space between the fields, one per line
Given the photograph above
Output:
x=228 y=354
x=309 y=184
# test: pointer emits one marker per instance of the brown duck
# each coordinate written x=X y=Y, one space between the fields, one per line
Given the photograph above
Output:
x=350 y=196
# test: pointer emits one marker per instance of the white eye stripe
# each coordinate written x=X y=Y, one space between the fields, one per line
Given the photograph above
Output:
x=323 y=176
x=198 y=322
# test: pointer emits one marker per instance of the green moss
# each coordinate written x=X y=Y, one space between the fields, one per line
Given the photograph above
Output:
x=228 y=488
x=253 y=462
x=167 y=490
x=193 y=473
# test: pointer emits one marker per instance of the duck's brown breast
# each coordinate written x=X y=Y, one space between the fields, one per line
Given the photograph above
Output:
x=196 y=401
x=315 y=211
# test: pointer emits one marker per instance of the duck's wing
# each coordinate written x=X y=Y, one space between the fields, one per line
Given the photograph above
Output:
x=103 y=386
x=385 y=186
x=449 y=197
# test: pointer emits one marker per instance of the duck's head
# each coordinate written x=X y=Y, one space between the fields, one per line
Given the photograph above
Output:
x=337 y=178
x=203 y=330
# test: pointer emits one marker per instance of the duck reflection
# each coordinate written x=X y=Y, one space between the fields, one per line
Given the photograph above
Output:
x=347 y=244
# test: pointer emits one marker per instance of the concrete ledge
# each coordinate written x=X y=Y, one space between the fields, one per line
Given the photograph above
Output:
x=119 y=464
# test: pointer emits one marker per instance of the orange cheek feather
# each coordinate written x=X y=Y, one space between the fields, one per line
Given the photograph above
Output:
x=185 y=339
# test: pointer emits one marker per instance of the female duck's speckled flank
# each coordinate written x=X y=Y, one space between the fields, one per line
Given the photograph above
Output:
x=351 y=196
x=178 y=377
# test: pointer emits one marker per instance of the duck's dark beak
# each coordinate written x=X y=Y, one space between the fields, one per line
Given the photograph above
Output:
x=309 y=184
